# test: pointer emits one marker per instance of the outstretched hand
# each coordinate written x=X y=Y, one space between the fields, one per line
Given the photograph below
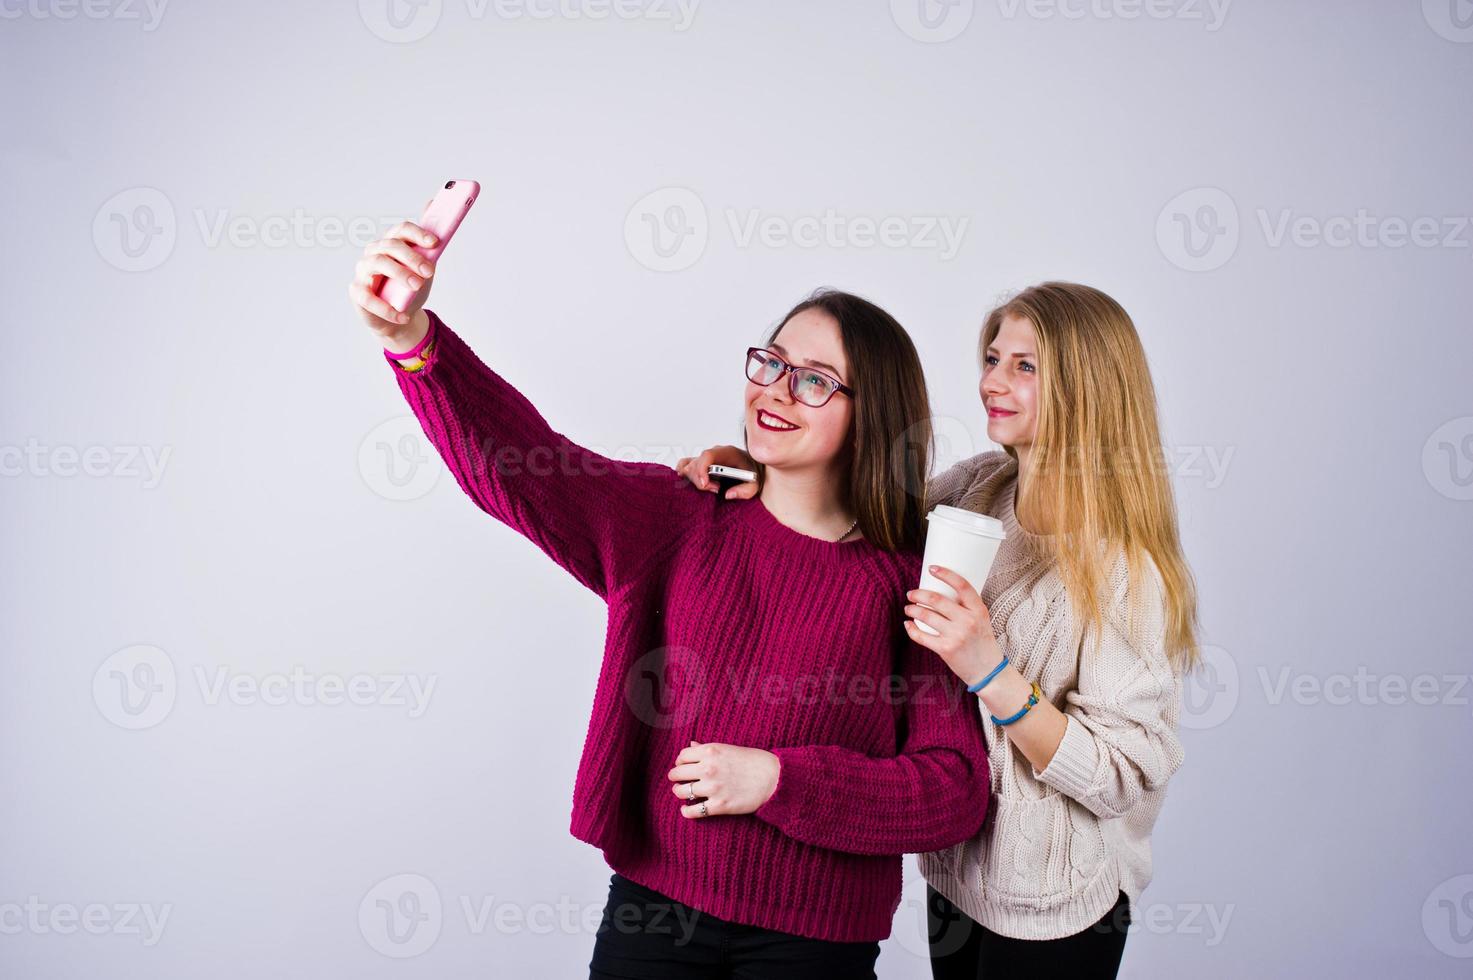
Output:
x=392 y=257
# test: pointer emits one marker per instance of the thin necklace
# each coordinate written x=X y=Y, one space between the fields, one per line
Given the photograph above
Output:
x=846 y=533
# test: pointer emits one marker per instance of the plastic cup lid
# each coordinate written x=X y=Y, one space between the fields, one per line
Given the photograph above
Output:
x=969 y=521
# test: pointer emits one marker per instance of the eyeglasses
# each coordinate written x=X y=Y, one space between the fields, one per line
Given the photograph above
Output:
x=808 y=385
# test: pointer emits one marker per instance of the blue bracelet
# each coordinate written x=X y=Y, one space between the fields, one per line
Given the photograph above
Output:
x=973 y=689
x=1034 y=696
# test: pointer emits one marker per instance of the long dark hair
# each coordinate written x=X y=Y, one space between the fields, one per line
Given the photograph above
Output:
x=889 y=450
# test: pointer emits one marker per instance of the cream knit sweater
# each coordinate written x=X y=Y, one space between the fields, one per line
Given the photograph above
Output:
x=1059 y=844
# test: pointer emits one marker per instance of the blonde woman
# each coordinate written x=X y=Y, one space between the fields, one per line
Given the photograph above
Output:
x=1075 y=647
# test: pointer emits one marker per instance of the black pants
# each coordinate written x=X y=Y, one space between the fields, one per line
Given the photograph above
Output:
x=963 y=949
x=644 y=934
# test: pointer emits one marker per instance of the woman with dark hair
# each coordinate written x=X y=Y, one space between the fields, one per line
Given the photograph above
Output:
x=766 y=740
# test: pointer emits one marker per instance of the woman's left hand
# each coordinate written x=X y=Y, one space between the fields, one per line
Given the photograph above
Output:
x=966 y=641
x=731 y=778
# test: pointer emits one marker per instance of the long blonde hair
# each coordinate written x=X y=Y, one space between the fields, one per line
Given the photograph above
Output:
x=1096 y=468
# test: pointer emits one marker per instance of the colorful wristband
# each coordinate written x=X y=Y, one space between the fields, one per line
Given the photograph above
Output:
x=423 y=363
x=423 y=343
x=973 y=689
x=1034 y=696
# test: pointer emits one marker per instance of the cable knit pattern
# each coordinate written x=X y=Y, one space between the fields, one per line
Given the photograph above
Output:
x=1059 y=845
x=727 y=626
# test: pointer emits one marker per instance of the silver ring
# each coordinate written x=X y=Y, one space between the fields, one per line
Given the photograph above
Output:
x=704 y=812
x=692 y=787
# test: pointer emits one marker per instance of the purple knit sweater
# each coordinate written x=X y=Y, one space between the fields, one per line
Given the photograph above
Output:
x=727 y=626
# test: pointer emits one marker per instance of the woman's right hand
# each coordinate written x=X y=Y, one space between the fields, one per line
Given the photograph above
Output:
x=392 y=258
x=694 y=470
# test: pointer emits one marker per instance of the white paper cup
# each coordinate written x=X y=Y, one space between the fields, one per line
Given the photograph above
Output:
x=962 y=541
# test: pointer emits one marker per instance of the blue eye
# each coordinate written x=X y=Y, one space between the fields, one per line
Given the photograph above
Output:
x=991 y=361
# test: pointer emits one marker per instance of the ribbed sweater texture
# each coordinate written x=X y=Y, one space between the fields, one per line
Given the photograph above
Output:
x=1061 y=844
x=724 y=625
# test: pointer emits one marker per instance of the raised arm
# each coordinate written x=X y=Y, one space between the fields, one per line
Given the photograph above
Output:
x=931 y=794
x=599 y=518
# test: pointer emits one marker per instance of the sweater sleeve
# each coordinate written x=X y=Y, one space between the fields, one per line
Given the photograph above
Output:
x=951 y=486
x=597 y=517
x=932 y=794
x=1120 y=739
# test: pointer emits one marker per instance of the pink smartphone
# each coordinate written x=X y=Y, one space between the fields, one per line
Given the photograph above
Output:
x=440 y=219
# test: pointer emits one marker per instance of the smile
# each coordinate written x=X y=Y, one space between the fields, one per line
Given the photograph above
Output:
x=773 y=423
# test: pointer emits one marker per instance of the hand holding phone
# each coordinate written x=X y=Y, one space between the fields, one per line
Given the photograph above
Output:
x=442 y=216
x=391 y=282
x=727 y=477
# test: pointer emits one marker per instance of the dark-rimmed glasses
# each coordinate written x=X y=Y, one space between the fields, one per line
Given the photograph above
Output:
x=808 y=385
